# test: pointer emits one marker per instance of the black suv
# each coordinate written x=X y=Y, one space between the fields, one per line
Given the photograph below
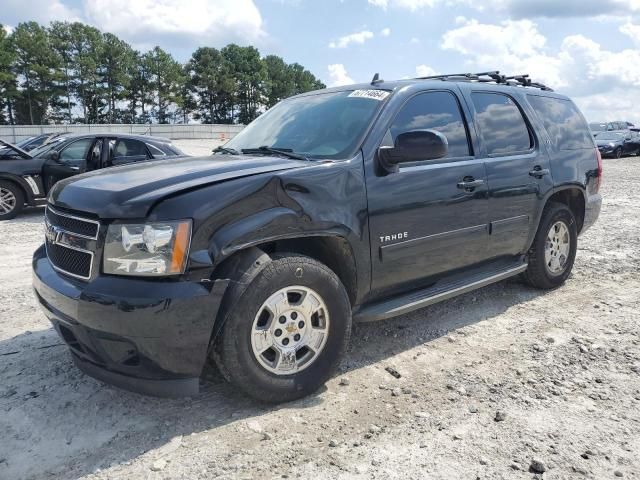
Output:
x=27 y=177
x=360 y=202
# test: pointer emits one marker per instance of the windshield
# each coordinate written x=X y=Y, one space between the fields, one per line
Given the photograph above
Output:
x=598 y=127
x=38 y=152
x=609 y=136
x=324 y=125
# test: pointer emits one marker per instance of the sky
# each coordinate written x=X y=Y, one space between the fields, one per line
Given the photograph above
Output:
x=589 y=50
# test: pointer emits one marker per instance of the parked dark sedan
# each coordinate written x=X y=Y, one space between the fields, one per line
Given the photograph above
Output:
x=618 y=144
x=27 y=177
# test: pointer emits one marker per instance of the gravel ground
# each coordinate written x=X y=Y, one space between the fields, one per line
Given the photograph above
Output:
x=500 y=383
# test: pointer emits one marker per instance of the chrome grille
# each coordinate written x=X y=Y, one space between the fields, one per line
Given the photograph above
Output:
x=72 y=224
x=68 y=260
x=70 y=242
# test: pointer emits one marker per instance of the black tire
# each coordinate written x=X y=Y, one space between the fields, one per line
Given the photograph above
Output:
x=617 y=153
x=18 y=196
x=233 y=352
x=538 y=274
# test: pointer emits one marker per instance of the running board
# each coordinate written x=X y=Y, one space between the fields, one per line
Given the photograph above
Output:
x=436 y=293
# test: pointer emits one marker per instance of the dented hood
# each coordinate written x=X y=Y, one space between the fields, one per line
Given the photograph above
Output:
x=131 y=191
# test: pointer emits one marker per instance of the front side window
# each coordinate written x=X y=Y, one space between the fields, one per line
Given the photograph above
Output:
x=434 y=111
x=76 y=152
x=561 y=119
x=501 y=124
x=323 y=125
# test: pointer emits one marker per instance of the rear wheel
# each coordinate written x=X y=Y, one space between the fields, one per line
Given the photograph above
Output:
x=553 y=251
x=11 y=200
x=285 y=334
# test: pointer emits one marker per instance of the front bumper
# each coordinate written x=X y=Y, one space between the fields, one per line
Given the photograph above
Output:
x=150 y=336
x=606 y=151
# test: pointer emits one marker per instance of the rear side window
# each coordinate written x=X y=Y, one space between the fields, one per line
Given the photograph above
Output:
x=563 y=122
x=126 y=151
x=155 y=151
x=501 y=124
x=434 y=111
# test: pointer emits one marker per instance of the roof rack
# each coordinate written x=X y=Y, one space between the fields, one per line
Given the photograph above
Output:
x=490 y=77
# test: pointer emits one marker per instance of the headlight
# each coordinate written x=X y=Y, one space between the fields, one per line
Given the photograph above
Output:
x=151 y=249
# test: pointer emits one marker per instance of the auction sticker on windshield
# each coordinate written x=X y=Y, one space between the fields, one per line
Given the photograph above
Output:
x=374 y=94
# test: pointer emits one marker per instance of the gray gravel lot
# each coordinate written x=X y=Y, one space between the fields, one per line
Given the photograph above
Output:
x=499 y=383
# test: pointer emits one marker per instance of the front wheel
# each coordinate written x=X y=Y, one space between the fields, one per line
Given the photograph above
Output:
x=285 y=334
x=618 y=153
x=11 y=200
x=554 y=248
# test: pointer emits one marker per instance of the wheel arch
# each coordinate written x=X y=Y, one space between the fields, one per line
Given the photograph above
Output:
x=242 y=266
x=574 y=197
x=330 y=249
x=20 y=183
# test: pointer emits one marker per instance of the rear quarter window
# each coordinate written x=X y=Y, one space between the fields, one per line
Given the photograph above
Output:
x=563 y=122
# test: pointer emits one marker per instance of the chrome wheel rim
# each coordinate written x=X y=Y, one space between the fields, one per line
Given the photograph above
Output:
x=557 y=247
x=7 y=201
x=290 y=330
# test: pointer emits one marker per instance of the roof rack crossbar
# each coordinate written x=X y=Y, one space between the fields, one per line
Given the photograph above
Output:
x=490 y=77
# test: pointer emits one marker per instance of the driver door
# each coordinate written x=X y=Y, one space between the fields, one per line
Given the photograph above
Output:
x=430 y=217
x=74 y=158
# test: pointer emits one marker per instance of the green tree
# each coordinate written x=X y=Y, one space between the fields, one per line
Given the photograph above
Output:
x=249 y=75
x=8 y=80
x=116 y=64
x=86 y=48
x=280 y=81
x=38 y=67
x=60 y=40
x=304 y=80
x=211 y=85
x=139 y=93
x=166 y=79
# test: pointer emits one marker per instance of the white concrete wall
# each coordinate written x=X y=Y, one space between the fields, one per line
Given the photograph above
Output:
x=219 y=132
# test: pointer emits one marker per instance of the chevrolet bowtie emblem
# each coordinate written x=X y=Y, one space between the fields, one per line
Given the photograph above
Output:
x=51 y=233
x=291 y=328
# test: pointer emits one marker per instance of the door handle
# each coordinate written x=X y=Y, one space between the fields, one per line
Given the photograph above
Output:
x=469 y=184
x=75 y=169
x=539 y=172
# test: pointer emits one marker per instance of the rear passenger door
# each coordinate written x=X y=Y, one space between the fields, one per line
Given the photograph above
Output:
x=517 y=164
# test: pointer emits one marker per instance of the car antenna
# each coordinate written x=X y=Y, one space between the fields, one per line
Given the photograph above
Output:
x=376 y=79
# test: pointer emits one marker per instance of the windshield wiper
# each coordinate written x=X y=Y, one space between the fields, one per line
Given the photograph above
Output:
x=285 y=152
x=227 y=150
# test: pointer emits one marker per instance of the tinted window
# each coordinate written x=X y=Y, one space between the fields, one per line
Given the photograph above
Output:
x=155 y=151
x=323 y=125
x=76 y=152
x=435 y=111
x=563 y=122
x=501 y=124
x=126 y=150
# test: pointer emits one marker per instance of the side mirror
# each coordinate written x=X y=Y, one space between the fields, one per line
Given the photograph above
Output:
x=55 y=156
x=414 y=146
